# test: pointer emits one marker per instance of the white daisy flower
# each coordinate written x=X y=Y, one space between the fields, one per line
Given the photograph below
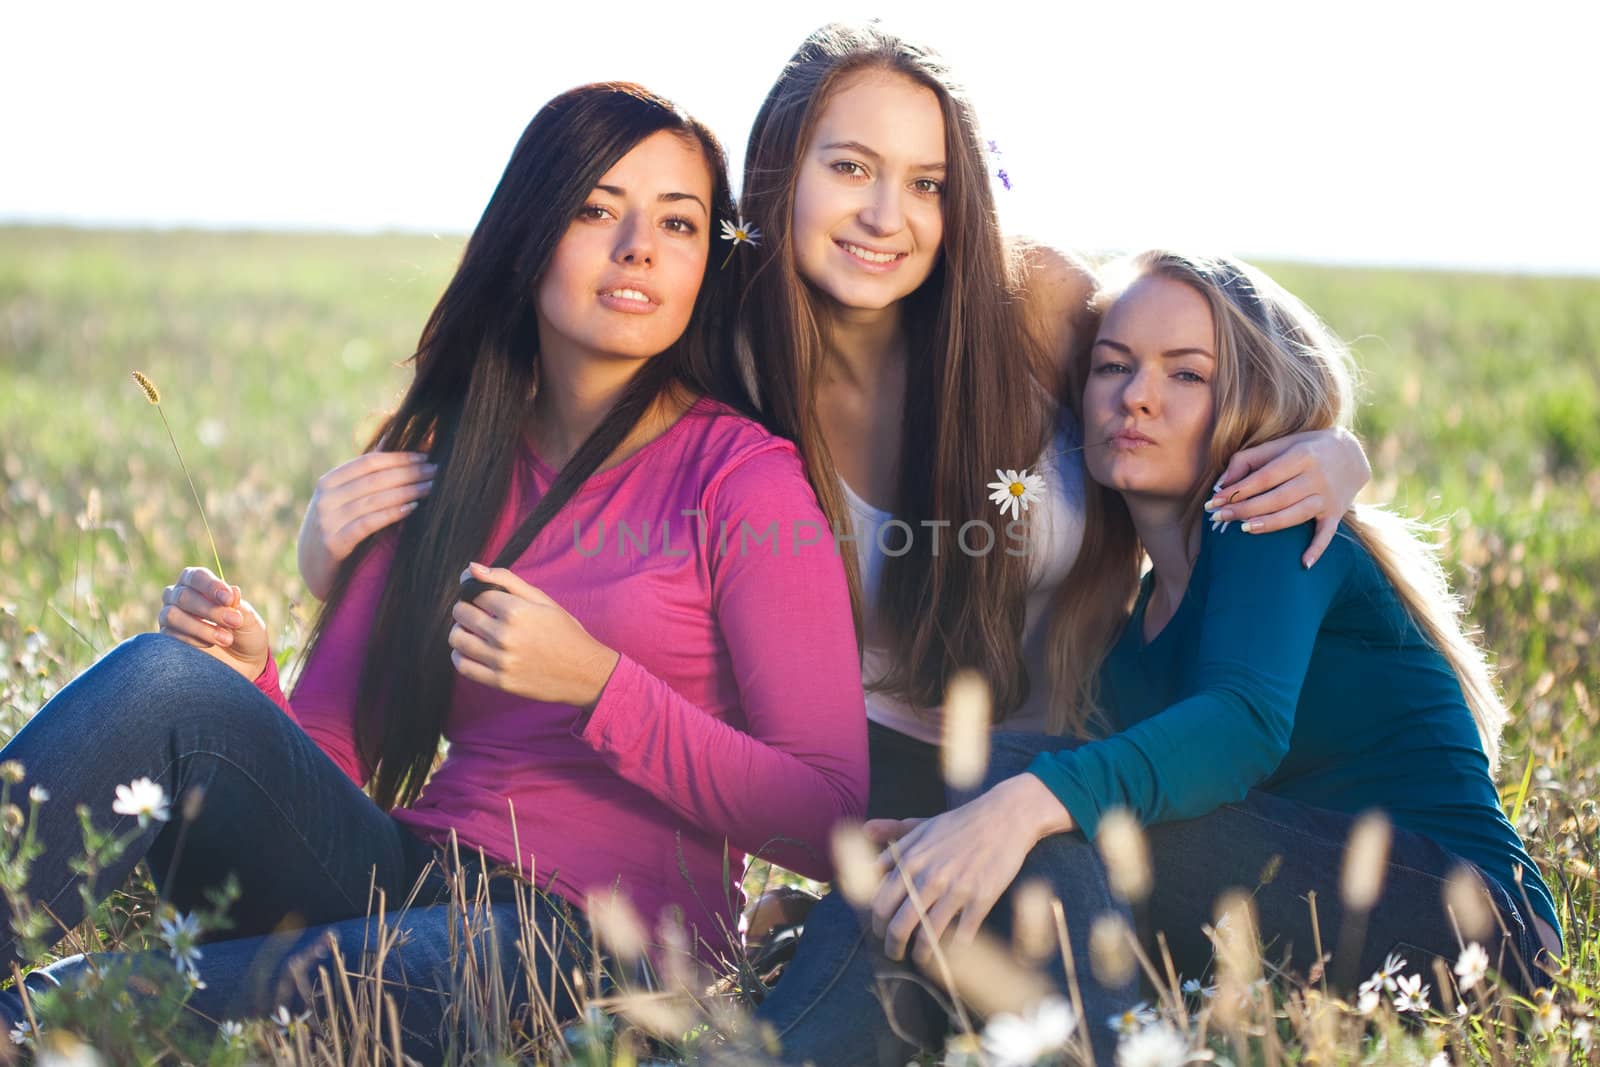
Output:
x=740 y=233
x=1193 y=988
x=1384 y=977
x=1546 y=1012
x=1016 y=491
x=182 y=935
x=232 y=1033
x=38 y=794
x=287 y=1023
x=1130 y=1022
x=1157 y=1045
x=1472 y=966
x=1412 y=995
x=143 y=798
x=1369 y=1001
x=1021 y=1041
x=23 y=1033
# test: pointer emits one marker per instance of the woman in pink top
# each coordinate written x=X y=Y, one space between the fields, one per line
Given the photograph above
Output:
x=655 y=672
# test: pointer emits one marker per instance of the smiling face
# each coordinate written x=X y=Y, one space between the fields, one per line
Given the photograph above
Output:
x=625 y=275
x=868 y=218
x=1149 y=392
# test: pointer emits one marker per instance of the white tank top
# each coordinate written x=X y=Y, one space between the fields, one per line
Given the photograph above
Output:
x=1055 y=533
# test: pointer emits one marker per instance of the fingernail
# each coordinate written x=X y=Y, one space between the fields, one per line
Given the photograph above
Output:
x=430 y=468
x=1214 y=503
x=425 y=486
x=224 y=637
x=1250 y=526
x=1223 y=514
x=1224 y=527
x=1218 y=487
x=233 y=618
x=223 y=595
x=412 y=506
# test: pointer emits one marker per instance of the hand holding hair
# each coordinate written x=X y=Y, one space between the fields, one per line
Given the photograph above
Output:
x=511 y=636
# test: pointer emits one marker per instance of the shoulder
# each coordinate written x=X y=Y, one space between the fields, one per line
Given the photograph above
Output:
x=738 y=455
x=1229 y=555
x=1056 y=288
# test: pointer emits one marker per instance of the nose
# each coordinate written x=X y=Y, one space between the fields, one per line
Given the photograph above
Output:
x=1140 y=395
x=883 y=213
x=636 y=242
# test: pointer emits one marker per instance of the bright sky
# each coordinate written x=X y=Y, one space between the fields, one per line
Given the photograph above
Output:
x=1397 y=131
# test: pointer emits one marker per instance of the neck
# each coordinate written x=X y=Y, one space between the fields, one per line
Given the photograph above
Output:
x=1170 y=544
x=576 y=389
x=864 y=347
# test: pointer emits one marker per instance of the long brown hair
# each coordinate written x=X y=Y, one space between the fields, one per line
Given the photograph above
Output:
x=1280 y=371
x=972 y=403
x=469 y=401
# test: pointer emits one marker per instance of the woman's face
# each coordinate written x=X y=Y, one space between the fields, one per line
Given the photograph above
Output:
x=1149 y=393
x=626 y=273
x=868 y=218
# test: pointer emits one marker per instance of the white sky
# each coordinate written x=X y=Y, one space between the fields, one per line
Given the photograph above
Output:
x=1397 y=131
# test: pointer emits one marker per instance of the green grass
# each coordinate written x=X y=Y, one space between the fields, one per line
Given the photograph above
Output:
x=275 y=354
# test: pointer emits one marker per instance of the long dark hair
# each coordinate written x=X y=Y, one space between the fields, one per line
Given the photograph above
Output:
x=971 y=403
x=476 y=370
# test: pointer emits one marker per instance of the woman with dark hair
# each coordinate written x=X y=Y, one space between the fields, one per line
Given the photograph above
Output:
x=621 y=714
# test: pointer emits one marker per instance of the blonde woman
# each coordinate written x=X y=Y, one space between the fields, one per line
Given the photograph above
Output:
x=1243 y=707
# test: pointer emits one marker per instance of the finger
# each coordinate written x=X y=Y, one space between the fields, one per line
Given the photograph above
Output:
x=898 y=931
x=189 y=629
x=930 y=931
x=366 y=464
x=359 y=529
x=508 y=581
x=472 y=670
x=890 y=896
x=1277 y=498
x=972 y=916
x=379 y=490
x=1327 y=528
x=480 y=623
x=206 y=584
x=190 y=600
x=1295 y=514
x=1270 y=475
x=475 y=647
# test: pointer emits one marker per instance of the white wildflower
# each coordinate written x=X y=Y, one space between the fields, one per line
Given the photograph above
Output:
x=142 y=798
x=1022 y=1040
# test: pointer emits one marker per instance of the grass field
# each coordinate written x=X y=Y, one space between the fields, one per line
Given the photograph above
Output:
x=276 y=353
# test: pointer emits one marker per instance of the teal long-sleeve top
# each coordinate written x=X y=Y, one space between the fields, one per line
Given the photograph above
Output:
x=1310 y=684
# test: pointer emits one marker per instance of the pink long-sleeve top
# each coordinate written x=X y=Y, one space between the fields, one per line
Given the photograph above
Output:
x=735 y=714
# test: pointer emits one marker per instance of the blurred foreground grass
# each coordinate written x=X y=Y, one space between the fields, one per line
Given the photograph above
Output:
x=275 y=354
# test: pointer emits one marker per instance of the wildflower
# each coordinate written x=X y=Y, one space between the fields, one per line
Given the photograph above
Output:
x=740 y=233
x=152 y=394
x=1024 y=1040
x=182 y=934
x=1413 y=995
x=1130 y=1022
x=61 y=1049
x=23 y=1033
x=1384 y=977
x=143 y=798
x=1016 y=491
x=1193 y=988
x=232 y=1033
x=11 y=819
x=1159 y=1045
x=1546 y=1012
x=1583 y=1034
x=1005 y=179
x=1440 y=1059
x=1369 y=1000
x=38 y=794
x=11 y=771
x=288 y=1024
x=1472 y=966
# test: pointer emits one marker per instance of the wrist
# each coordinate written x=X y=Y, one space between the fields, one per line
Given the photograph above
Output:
x=597 y=672
x=1038 y=809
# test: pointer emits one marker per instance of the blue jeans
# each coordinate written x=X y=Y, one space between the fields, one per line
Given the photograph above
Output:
x=827 y=1008
x=310 y=850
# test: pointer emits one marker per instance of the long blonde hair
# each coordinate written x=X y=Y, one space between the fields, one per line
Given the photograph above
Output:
x=1280 y=371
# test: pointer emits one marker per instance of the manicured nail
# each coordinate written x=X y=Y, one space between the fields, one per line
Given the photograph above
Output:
x=412 y=506
x=1218 y=487
x=1214 y=503
x=1250 y=525
x=223 y=595
x=423 y=487
x=1223 y=514
x=430 y=468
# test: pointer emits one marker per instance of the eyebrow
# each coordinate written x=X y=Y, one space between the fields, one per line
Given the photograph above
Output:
x=1170 y=353
x=857 y=146
x=666 y=198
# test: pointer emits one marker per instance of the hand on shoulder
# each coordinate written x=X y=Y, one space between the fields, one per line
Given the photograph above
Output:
x=1057 y=286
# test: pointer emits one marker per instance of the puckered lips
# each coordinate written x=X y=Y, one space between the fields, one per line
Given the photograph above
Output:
x=869 y=257
x=1128 y=439
x=629 y=296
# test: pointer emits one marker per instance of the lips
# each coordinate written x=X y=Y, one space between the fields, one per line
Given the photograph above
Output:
x=631 y=297
x=871 y=258
x=1130 y=439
